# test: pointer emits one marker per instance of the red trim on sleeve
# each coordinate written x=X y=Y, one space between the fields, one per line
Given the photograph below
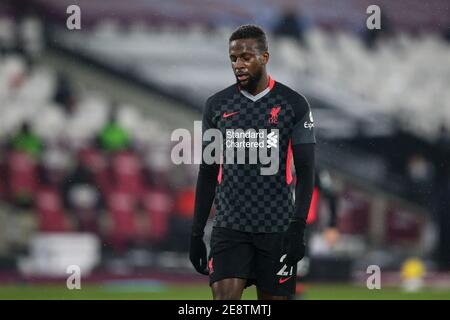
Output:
x=312 y=214
x=289 y=164
x=219 y=176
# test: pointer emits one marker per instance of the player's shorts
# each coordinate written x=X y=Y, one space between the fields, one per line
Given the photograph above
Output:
x=256 y=257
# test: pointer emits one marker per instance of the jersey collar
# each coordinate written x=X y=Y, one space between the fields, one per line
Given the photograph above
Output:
x=261 y=94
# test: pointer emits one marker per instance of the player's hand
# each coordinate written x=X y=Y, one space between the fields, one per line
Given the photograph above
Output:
x=197 y=254
x=294 y=242
x=331 y=236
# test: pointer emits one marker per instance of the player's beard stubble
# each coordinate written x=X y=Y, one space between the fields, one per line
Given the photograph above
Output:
x=252 y=82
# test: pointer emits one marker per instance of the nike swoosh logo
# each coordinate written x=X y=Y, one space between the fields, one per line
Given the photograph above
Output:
x=285 y=279
x=226 y=115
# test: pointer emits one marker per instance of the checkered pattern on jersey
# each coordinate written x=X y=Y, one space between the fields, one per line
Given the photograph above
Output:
x=246 y=200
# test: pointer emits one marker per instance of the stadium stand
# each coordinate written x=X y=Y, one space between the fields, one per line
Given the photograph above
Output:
x=110 y=176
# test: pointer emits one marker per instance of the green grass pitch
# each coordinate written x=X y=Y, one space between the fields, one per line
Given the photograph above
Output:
x=159 y=291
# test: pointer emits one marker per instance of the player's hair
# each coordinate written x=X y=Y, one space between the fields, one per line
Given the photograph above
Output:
x=251 y=31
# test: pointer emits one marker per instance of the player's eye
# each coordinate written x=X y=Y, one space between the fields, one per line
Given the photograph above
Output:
x=233 y=58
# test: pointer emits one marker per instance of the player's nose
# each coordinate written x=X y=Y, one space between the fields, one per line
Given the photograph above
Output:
x=239 y=65
x=240 y=71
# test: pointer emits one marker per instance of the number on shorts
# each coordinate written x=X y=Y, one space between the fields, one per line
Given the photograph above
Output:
x=283 y=271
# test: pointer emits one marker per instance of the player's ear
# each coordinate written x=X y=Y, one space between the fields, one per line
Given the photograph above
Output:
x=265 y=58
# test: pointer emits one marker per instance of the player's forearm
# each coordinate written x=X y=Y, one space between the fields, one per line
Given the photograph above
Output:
x=204 y=196
x=304 y=155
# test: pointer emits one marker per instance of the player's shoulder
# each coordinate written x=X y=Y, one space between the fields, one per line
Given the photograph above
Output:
x=298 y=101
x=291 y=95
x=221 y=95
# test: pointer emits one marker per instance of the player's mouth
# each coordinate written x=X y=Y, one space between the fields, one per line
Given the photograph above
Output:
x=242 y=77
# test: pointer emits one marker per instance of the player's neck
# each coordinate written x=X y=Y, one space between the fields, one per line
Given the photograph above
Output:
x=263 y=83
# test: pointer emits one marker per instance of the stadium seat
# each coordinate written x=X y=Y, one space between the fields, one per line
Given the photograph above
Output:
x=121 y=208
x=126 y=170
x=51 y=124
x=50 y=210
x=22 y=174
x=354 y=213
x=157 y=204
x=94 y=159
x=403 y=228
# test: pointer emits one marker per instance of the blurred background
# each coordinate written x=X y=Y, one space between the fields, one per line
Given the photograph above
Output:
x=86 y=117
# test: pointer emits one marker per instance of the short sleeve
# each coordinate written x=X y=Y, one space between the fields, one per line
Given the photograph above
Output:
x=303 y=130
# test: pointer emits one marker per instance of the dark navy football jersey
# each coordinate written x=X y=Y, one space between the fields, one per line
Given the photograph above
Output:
x=247 y=200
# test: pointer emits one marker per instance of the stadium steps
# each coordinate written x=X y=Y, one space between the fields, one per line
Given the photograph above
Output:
x=89 y=76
